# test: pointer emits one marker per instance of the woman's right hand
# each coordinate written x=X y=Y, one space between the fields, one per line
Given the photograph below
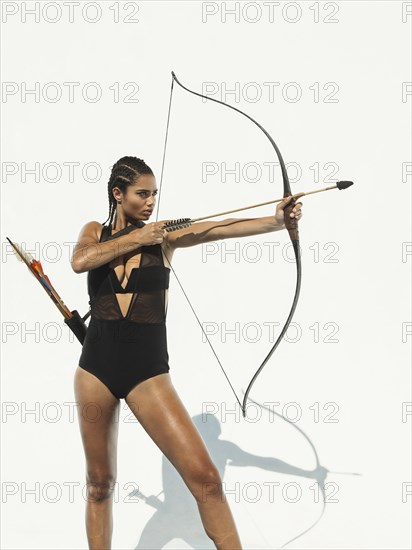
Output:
x=152 y=233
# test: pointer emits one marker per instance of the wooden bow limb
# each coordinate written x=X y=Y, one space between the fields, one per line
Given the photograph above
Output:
x=71 y=318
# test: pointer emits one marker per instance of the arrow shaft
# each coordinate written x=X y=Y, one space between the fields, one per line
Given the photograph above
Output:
x=298 y=195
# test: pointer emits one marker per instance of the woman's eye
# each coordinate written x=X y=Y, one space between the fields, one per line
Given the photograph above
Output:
x=145 y=194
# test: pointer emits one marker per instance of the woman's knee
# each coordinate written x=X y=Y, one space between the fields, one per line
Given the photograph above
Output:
x=100 y=487
x=205 y=483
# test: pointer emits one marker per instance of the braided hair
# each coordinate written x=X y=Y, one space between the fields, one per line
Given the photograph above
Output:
x=125 y=172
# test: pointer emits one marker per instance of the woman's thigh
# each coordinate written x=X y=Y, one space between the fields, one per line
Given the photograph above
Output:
x=98 y=414
x=158 y=408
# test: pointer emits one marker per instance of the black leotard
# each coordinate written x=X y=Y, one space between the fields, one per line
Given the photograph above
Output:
x=122 y=351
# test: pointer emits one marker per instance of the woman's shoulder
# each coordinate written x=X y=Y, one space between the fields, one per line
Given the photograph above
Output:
x=89 y=234
x=92 y=229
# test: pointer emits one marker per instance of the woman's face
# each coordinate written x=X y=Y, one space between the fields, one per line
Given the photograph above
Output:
x=140 y=197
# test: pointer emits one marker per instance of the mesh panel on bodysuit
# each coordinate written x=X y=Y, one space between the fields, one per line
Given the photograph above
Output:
x=147 y=287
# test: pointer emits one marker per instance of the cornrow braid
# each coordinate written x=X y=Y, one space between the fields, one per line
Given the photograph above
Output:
x=125 y=172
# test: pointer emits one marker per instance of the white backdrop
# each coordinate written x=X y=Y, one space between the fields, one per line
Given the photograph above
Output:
x=84 y=84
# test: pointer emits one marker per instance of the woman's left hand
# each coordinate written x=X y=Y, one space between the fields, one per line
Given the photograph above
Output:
x=296 y=211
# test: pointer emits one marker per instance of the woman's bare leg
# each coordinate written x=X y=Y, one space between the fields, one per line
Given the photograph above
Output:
x=160 y=411
x=98 y=412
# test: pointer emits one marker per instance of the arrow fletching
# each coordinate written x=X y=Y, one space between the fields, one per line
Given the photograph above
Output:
x=174 y=225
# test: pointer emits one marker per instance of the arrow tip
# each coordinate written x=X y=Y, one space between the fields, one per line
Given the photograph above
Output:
x=343 y=184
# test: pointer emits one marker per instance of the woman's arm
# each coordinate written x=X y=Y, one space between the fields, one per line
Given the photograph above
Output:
x=204 y=232
x=89 y=253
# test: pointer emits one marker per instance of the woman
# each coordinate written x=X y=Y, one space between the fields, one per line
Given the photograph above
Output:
x=124 y=355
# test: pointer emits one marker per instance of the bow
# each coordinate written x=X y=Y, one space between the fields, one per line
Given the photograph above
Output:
x=290 y=224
